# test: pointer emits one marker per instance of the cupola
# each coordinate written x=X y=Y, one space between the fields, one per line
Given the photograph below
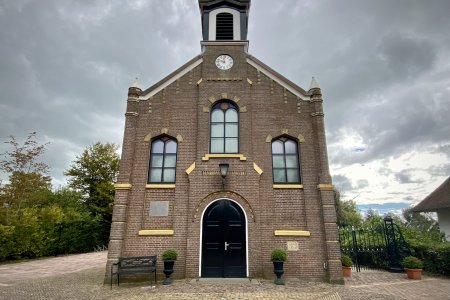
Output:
x=224 y=20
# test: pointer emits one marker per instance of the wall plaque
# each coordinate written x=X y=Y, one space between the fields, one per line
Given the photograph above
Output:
x=292 y=246
x=159 y=208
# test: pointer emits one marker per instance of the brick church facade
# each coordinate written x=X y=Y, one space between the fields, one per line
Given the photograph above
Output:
x=225 y=107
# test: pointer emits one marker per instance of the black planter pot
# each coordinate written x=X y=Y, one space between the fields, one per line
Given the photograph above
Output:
x=279 y=271
x=168 y=270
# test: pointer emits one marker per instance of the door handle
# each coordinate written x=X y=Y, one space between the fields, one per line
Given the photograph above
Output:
x=226 y=246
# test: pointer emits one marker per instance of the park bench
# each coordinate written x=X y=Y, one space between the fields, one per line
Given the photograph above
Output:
x=133 y=266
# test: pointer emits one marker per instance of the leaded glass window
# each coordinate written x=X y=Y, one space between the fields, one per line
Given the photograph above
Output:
x=224 y=128
x=163 y=160
x=285 y=164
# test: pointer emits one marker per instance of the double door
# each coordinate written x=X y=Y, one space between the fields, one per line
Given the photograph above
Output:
x=224 y=240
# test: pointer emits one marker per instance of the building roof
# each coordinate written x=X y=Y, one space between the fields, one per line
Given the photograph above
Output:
x=438 y=199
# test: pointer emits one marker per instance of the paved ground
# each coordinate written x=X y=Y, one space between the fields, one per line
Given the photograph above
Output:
x=81 y=277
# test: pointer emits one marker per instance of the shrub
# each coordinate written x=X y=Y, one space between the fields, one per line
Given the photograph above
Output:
x=346 y=261
x=278 y=254
x=169 y=254
x=411 y=262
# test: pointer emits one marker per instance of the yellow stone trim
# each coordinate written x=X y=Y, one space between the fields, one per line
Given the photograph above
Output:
x=268 y=138
x=301 y=138
x=160 y=186
x=292 y=233
x=199 y=81
x=284 y=131
x=325 y=187
x=156 y=232
x=122 y=186
x=249 y=81
x=208 y=156
x=287 y=186
x=257 y=169
x=148 y=137
x=191 y=168
x=243 y=109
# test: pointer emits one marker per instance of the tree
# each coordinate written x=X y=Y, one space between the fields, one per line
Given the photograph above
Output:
x=346 y=211
x=28 y=180
x=93 y=174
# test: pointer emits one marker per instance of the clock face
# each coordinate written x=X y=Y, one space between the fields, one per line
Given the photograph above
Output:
x=224 y=62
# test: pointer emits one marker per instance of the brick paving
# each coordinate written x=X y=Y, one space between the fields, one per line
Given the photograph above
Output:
x=81 y=277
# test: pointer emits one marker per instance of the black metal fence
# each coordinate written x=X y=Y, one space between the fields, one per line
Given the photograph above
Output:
x=380 y=247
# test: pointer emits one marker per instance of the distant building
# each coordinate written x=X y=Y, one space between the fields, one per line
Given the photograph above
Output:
x=438 y=201
x=226 y=108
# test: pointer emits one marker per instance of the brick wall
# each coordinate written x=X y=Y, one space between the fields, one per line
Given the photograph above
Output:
x=267 y=109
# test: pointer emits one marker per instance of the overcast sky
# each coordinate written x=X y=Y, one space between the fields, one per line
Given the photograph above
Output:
x=383 y=66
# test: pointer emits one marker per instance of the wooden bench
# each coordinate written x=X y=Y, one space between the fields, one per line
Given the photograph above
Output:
x=132 y=266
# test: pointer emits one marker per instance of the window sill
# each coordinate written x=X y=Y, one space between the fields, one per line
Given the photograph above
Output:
x=223 y=155
x=287 y=186
x=160 y=186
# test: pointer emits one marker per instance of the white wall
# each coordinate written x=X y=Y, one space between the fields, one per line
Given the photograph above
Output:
x=444 y=221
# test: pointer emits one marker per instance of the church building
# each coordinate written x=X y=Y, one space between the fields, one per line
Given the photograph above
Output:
x=225 y=160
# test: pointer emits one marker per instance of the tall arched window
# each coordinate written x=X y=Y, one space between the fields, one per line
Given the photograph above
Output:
x=163 y=161
x=285 y=163
x=224 y=26
x=224 y=128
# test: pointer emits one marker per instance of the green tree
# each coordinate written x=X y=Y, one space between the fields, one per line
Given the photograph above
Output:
x=93 y=174
x=347 y=212
x=27 y=174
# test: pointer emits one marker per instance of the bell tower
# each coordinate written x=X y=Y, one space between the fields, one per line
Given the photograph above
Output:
x=224 y=20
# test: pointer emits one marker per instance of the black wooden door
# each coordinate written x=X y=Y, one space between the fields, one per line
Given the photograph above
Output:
x=223 y=242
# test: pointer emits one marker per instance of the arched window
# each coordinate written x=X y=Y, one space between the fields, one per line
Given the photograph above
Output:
x=163 y=161
x=224 y=26
x=224 y=128
x=285 y=163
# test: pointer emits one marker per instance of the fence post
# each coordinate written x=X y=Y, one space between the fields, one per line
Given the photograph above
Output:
x=355 y=250
x=392 y=245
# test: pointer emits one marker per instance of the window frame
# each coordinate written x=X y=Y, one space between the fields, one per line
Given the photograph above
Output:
x=283 y=140
x=216 y=106
x=164 y=154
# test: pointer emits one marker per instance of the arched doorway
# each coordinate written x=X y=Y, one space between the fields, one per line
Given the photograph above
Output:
x=224 y=245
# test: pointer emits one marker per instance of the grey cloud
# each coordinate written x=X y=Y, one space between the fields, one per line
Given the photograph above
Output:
x=65 y=67
x=342 y=183
x=406 y=56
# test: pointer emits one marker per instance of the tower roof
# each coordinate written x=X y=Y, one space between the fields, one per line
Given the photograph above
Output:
x=240 y=4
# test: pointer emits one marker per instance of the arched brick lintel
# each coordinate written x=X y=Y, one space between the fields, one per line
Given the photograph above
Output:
x=201 y=205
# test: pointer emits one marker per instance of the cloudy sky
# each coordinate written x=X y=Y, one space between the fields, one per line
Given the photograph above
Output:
x=384 y=69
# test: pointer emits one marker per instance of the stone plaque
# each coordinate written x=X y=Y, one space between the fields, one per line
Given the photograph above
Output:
x=292 y=246
x=159 y=208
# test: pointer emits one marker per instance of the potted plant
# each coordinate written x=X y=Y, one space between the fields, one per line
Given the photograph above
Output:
x=169 y=257
x=413 y=267
x=278 y=257
x=347 y=264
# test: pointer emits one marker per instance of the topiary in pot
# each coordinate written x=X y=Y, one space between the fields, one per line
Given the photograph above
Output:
x=413 y=267
x=278 y=257
x=347 y=264
x=169 y=257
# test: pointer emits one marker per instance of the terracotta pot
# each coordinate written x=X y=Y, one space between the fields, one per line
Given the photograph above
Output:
x=346 y=271
x=415 y=274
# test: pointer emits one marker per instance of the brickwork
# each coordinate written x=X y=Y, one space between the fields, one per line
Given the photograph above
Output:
x=182 y=109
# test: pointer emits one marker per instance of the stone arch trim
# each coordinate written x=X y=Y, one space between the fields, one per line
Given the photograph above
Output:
x=203 y=203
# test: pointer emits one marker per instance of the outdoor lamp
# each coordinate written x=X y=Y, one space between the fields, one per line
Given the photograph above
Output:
x=223 y=172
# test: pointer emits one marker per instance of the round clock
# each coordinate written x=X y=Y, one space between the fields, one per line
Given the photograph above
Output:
x=224 y=62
